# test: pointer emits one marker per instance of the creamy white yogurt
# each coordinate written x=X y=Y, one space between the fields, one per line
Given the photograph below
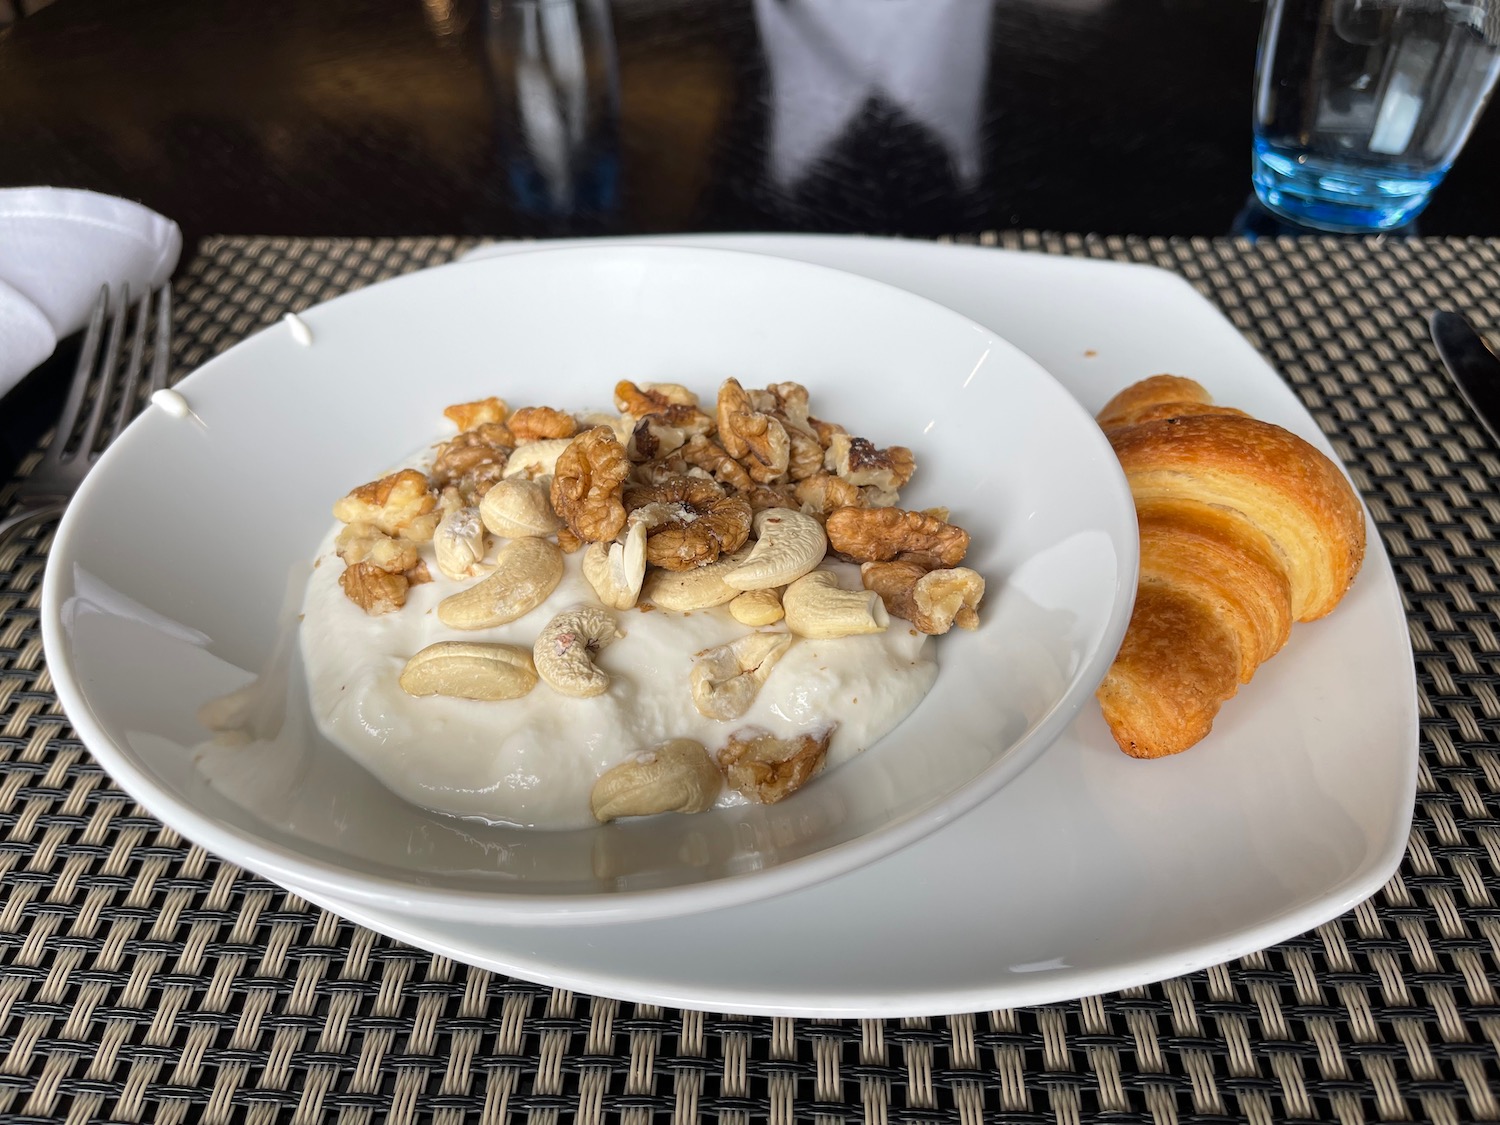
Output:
x=532 y=761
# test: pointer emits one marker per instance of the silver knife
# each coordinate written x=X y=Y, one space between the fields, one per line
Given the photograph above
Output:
x=1473 y=364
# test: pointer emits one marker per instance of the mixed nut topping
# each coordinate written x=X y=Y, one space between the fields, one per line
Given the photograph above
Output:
x=677 y=506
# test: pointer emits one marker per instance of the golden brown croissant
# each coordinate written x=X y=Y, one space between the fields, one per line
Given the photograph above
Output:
x=1245 y=528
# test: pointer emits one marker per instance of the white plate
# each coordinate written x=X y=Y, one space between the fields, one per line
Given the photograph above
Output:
x=1092 y=871
x=180 y=564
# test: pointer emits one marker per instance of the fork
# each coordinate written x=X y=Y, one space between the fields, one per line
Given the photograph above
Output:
x=46 y=491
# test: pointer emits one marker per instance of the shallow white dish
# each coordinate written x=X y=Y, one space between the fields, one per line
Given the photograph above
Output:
x=1091 y=872
x=177 y=573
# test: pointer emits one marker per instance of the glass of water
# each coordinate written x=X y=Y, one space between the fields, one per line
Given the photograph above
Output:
x=557 y=83
x=1362 y=105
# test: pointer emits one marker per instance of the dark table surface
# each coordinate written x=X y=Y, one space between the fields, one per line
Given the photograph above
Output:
x=894 y=116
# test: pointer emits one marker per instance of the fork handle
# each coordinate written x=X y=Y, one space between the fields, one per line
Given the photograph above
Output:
x=20 y=519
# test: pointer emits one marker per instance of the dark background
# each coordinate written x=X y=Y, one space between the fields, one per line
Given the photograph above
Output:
x=378 y=117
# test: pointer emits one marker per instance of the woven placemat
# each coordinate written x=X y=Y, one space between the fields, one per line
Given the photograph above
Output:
x=141 y=979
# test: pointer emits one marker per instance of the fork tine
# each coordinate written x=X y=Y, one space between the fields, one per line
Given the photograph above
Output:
x=161 y=357
x=107 y=374
x=81 y=376
x=125 y=411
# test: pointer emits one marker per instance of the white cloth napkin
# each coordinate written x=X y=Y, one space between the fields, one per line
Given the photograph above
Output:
x=57 y=247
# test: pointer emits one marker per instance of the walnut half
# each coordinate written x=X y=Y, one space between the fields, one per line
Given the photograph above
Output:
x=880 y=534
x=390 y=503
x=374 y=590
x=768 y=769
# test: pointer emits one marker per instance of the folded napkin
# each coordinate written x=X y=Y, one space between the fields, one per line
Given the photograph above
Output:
x=57 y=247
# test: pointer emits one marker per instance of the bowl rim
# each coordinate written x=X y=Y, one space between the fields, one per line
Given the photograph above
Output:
x=279 y=863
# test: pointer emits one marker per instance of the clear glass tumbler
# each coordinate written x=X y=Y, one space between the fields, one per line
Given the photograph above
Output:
x=557 y=81
x=1362 y=105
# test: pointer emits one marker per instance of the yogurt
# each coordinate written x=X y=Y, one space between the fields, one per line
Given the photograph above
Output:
x=533 y=761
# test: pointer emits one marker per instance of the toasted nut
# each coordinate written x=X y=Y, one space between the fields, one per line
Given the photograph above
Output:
x=689 y=522
x=616 y=570
x=365 y=543
x=516 y=508
x=683 y=591
x=526 y=572
x=826 y=431
x=536 y=459
x=565 y=650
x=816 y=606
x=465 y=670
x=751 y=436
x=789 y=545
x=421 y=529
x=468 y=415
x=374 y=590
x=537 y=423
x=621 y=424
x=878 y=534
x=871 y=496
x=763 y=401
x=704 y=453
x=389 y=503
x=678 y=776
x=824 y=493
x=781 y=495
x=859 y=462
x=757 y=608
x=652 y=438
x=934 y=601
x=473 y=460
x=791 y=404
x=653 y=474
x=805 y=458
x=726 y=679
x=674 y=393
x=673 y=405
x=790 y=409
x=586 y=485
x=766 y=768
x=460 y=544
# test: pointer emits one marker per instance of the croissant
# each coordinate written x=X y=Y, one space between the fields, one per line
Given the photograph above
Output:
x=1244 y=529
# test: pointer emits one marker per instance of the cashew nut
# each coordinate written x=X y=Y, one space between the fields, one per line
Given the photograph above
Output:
x=678 y=776
x=788 y=545
x=526 y=572
x=533 y=459
x=817 y=607
x=622 y=424
x=469 y=671
x=726 y=679
x=685 y=590
x=517 y=507
x=460 y=543
x=616 y=570
x=757 y=608
x=565 y=650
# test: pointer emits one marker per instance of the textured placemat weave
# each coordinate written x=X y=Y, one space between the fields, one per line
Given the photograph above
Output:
x=142 y=980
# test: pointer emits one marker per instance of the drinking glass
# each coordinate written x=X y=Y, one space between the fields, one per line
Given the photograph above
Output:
x=1361 y=106
x=556 y=76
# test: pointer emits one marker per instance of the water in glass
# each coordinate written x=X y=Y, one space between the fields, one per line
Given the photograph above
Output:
x=1362 y=105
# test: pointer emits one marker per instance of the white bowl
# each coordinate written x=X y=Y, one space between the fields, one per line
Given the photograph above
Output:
x=177 y=573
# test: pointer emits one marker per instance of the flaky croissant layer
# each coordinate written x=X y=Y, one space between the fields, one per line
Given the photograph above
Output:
x=1244 y=529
